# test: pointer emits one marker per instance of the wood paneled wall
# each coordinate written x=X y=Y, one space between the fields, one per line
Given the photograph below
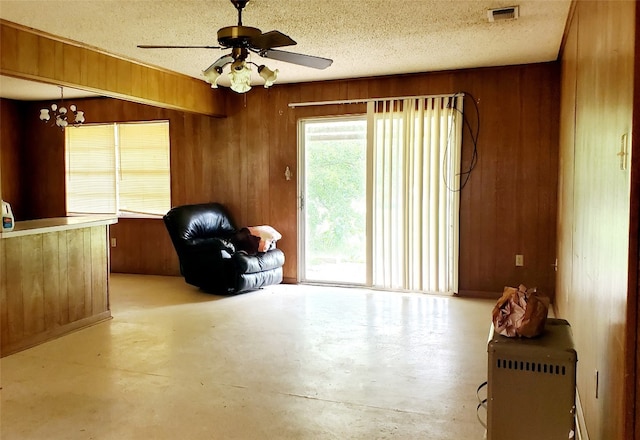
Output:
x=10 y=153
x=142 y=246
x=507 y=208
x=52 y=283
x=42 y=177
x=594 y=227
x=509 y=205
x=632 y=351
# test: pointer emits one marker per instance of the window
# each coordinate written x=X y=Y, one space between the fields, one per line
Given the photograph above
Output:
x=118 y=169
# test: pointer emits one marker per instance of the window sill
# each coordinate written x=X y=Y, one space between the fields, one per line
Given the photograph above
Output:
x=122 y=215
x=136 y=215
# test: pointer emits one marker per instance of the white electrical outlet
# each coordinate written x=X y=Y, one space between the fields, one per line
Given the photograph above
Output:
x=113 y=242
x=519 y=260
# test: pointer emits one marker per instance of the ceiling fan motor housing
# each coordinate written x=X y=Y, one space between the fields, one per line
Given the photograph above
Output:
x=237 y=36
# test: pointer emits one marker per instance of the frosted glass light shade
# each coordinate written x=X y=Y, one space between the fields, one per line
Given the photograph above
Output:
x=269 y=76
x=212 y=75
x=240 y=79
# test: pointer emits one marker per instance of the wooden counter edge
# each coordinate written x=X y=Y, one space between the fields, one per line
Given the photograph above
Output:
x=42 y=226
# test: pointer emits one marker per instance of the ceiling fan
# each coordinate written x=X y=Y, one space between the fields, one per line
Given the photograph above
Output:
x=242 y=40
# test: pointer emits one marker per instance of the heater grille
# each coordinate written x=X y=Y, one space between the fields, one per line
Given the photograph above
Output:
x=533 y=367
x=499 y=14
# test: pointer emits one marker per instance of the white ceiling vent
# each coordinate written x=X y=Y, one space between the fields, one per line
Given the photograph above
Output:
x=500 y=14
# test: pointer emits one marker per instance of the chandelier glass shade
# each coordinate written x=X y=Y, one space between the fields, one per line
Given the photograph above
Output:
x=61 y=114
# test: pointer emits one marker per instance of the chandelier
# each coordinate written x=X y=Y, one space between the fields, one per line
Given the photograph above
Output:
x=60 y=113
x=240 y=71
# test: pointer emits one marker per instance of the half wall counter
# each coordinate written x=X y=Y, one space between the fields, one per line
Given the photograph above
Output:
x=54 y=279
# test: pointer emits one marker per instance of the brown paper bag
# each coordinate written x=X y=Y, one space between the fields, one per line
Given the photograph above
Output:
x=520 y=312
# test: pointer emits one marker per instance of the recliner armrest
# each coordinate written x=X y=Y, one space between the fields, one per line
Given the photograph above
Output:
x=258 y=263
x=206 y=245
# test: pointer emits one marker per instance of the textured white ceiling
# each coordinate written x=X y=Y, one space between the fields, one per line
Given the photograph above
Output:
x=363 y=37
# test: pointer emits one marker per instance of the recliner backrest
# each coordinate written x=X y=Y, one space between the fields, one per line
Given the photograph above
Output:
x=193 y=222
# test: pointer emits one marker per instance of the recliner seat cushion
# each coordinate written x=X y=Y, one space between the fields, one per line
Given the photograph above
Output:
x=253 y=281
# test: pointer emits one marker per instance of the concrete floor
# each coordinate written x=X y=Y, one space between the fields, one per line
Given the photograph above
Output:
x=286 y=362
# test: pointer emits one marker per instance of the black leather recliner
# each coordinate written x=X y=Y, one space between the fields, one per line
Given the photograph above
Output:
x=208 y=247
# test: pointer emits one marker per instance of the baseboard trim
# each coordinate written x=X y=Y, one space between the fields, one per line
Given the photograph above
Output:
x=54 y=333
x=581 y=426
x=479 y=294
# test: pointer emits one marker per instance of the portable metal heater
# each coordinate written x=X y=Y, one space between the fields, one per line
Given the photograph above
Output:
x=531 y=385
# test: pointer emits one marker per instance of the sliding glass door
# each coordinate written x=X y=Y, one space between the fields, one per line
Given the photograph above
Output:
x=333 y=200
x=379 y=196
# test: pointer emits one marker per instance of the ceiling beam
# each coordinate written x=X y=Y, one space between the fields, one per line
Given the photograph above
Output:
x=31 y=54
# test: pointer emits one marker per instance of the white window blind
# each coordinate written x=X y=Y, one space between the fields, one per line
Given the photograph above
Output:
x=118 y=169
x=91 y=163
x=144 y=168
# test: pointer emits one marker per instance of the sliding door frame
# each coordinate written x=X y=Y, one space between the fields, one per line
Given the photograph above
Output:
x=300 y=199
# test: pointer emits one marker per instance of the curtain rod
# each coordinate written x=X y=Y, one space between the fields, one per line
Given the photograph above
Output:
x=364 y=101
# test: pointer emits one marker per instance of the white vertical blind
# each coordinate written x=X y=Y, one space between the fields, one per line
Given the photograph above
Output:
x=118 y=168
x=416 y=149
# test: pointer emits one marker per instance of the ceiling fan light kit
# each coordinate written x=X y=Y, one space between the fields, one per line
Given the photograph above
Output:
x=239 y=74
x=242 y=40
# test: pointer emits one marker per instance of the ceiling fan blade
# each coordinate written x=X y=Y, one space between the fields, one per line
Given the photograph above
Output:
x=272 y=39
x=296 y=58
x=151 y=46
x=221 y=62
